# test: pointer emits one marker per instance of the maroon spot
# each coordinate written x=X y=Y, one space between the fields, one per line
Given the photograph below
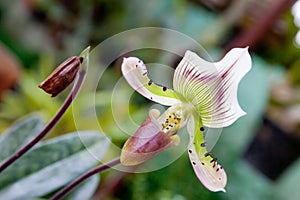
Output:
x=203 y=144
x=164 y=88
x=150 y=82
x=194 y=163
x=217 y=169
x=202 y=163
x=190 y=151
x=202 y=128
x=207 y=154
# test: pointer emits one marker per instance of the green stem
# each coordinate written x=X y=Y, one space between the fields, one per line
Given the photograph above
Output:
x=85 y=176
x=50 y=125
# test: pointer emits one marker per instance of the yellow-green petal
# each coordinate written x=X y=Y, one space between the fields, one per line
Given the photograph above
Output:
x=207 y=169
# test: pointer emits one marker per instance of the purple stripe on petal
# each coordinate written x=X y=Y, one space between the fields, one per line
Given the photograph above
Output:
x=212 y=87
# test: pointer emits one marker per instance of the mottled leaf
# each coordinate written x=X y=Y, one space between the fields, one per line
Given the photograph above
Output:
x=52 y=164
x=19 y=135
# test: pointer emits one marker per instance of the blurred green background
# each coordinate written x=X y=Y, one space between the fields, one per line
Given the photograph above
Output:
x=260 y=152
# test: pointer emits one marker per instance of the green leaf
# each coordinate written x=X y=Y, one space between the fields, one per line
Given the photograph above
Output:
x=85 y=190
x=52 y=164
x=19 y=135
x=287 y=187
x=244 y=180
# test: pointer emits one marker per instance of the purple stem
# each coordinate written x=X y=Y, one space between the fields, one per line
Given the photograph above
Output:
x=252 y=35
x=83 y=177
x=50 y=125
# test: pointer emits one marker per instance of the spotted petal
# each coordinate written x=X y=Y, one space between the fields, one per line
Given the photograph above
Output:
x=135 y=72
x=207 y=169
x=212 y=87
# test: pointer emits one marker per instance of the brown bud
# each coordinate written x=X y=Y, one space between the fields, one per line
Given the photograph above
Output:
x=62 y=76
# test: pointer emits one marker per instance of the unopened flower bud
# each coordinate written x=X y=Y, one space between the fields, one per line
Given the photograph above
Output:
x=62 y=76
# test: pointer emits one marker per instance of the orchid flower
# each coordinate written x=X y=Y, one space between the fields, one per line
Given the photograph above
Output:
x=204 y=94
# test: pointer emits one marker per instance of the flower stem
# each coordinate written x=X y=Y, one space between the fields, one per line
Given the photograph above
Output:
x=252 y=35
x=77 y=85
x=85 y=176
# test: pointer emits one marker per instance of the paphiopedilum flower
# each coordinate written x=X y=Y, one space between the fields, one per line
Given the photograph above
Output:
x=204 y=94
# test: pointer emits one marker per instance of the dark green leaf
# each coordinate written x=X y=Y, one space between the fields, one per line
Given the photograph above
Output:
x=52 y=164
